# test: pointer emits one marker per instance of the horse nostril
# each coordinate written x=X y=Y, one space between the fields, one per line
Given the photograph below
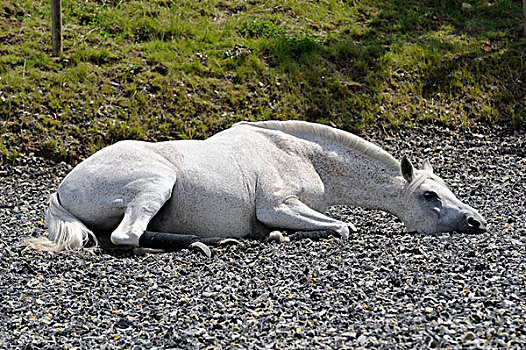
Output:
x=472 y=222
x=475 y=225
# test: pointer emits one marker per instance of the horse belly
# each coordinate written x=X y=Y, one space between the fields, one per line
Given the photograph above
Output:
x=214 y=195
x=205 y=215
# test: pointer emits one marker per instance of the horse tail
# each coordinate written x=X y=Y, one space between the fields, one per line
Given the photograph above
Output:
x=65 y=230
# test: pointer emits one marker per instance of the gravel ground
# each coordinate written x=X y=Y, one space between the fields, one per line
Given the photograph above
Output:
x=381 y=288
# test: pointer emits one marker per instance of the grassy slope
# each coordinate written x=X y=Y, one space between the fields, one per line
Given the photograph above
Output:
x=167 y=69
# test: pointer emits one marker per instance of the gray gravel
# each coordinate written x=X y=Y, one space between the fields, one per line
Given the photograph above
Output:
x=381 y=288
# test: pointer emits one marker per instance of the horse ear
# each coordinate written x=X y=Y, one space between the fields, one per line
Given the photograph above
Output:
x=408 y=172
x=427 y=166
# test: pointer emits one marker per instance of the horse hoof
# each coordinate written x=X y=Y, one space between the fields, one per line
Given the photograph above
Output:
x=229 y=241
x=277 y=236
x=352 y=227
x=202 y=248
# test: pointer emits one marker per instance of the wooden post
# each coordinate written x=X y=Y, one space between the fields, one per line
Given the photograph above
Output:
x=56 y=27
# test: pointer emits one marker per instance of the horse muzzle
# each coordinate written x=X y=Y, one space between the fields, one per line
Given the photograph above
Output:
x=474 y=224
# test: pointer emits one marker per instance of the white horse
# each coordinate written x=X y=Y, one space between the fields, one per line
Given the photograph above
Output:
x=246 y=181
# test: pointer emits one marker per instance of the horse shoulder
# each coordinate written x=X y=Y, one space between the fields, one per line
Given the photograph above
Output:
x=286 y=170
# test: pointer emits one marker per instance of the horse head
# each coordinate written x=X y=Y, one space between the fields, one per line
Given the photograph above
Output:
x=430 y=207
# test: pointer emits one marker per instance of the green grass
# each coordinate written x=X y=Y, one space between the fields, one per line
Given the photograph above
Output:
x=167 y=69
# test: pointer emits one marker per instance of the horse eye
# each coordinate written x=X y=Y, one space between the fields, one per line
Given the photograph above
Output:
x=429 y=195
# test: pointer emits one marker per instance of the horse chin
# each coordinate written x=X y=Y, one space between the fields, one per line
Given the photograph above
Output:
x=420 y=230
x=467 y=230
x=429 y=232
x=471 y=230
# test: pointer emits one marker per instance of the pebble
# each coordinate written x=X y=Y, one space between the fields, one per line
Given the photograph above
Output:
x=382 y=288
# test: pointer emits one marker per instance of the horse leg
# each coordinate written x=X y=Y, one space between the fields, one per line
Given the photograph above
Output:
x=173 y=242
x=219 y=241
x=278 y=237
x=132 y=229
x=160 y=242
x=314 y=235
x=138 y=214
x=292 y=214
x=136 y=235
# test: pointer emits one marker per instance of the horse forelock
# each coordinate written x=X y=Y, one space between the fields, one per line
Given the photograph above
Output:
x=304 y=129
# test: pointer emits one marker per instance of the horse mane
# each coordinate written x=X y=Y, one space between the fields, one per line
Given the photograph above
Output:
x=305 y=129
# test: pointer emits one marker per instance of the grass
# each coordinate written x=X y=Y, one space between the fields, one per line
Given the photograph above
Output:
x=166 y=69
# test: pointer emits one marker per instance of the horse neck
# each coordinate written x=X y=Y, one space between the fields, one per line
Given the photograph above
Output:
x=353 y=178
